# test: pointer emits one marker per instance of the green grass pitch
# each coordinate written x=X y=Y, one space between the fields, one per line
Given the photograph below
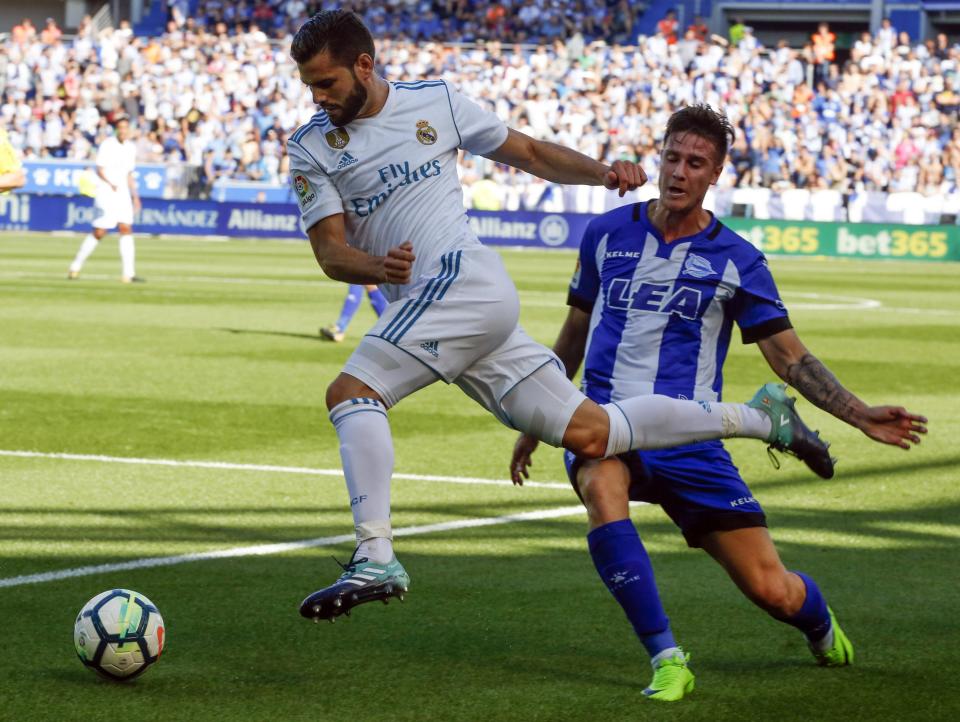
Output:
x=217 y=359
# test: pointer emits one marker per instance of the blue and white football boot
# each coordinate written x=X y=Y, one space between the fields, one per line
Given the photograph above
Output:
x=362 y=581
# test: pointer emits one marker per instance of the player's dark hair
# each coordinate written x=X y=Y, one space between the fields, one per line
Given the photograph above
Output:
x=338 y=32
x=704 y=121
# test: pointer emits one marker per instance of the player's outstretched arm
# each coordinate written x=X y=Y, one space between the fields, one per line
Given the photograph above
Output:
x=569 y=348
x=558 y=164
x=12 y=180
x=792 y=362
x=328 y=238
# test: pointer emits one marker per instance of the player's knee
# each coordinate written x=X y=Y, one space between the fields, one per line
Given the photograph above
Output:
x=590 y=444
x=346 y=387
x=587 y=434
x=771 y=593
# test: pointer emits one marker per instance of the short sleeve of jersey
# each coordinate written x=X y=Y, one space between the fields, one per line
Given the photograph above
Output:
x=481 y=131
x=585 y=284
x=316 y=195
x=758 y=310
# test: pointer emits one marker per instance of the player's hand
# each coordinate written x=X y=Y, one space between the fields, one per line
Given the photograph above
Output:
x=521 y=460
x=624 y=176
x=137 y=205
x=397 y=264
x=893 y=425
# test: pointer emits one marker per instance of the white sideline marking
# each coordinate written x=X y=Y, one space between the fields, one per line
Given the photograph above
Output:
x=269 y=468
x=539 y=299
x=264 y=549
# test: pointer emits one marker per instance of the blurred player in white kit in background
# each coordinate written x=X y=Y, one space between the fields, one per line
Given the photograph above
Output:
x=115 y=202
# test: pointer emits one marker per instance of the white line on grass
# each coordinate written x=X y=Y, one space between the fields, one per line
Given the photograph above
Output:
x=268 y=468
x=264 y=549
x=539 y=299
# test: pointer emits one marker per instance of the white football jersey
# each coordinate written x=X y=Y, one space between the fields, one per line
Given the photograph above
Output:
x=394 y=175
x=118 y=161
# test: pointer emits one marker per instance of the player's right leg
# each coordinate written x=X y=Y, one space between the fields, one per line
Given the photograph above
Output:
x=376 y=376
x=88 y=246
x=623 y=564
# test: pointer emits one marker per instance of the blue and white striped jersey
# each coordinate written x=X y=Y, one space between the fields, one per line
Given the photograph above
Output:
x=662 y=313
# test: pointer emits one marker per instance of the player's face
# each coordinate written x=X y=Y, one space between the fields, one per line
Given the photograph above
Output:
x=688 y=167
x=122 y=130
x=335 y=88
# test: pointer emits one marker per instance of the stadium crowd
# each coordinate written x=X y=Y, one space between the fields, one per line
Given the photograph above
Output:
x=217 y=91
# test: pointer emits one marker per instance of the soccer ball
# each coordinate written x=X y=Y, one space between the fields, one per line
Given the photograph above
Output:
x=119 y=633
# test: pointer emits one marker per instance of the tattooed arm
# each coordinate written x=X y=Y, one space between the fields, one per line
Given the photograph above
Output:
x=793 y=363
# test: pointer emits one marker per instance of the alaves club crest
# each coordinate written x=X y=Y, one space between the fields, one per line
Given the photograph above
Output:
x=426 y=133
x=337 y=138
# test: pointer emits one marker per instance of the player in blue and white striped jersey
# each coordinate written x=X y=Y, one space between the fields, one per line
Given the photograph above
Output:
x=657 y=290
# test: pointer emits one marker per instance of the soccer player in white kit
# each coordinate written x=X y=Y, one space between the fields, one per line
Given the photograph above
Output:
x=115 y=203
x=375 y=177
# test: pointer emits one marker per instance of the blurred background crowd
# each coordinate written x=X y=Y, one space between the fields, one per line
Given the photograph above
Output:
x=218 y=92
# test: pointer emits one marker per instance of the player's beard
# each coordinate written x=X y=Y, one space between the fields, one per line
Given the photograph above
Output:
x=351 y=107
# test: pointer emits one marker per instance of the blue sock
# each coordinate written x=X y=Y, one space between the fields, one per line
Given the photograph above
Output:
x=377 y=300
x=813 y=619
x=623 y=564
x=350 y=305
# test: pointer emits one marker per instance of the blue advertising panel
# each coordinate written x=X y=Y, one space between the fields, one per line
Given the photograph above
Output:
x=62 y=177
x=23 y=211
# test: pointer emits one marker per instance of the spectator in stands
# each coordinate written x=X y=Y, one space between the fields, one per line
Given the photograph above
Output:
x=23 y=33
x=735 y=33
x=206 y=84
x=824 y=51
x=886 y=38
x=50 y=33
x=699 y=28
x=668 y=26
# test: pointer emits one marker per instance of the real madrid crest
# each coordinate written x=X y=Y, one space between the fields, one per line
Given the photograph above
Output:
x=426 y=133
x=337 y=138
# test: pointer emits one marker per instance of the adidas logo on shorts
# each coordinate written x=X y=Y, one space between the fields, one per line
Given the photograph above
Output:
x=432 y=348
x=345 y=160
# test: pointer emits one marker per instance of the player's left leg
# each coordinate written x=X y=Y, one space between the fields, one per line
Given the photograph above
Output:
x=750 y=558
x=128 y=254
x=378 y=301
x=351 y=303
x=547 y=405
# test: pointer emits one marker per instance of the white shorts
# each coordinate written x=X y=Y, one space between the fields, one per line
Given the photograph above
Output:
x=111 y=208
x=458 y=323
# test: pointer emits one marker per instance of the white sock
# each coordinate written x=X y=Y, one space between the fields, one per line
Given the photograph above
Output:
x=668 y=653
x=127 y=255
x=88 y=246
x=366 y=451
x=378 y=549
x=659 y=422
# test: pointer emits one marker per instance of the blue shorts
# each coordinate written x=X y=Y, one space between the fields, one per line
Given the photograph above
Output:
x=697 y=485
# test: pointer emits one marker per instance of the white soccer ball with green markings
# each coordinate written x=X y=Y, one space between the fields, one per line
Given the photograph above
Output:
x=119 y=633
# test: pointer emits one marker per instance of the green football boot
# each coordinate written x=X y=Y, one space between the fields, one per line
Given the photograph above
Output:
x=672 y=679
x=840 y=653
x=362 y=581
x=788 y=433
